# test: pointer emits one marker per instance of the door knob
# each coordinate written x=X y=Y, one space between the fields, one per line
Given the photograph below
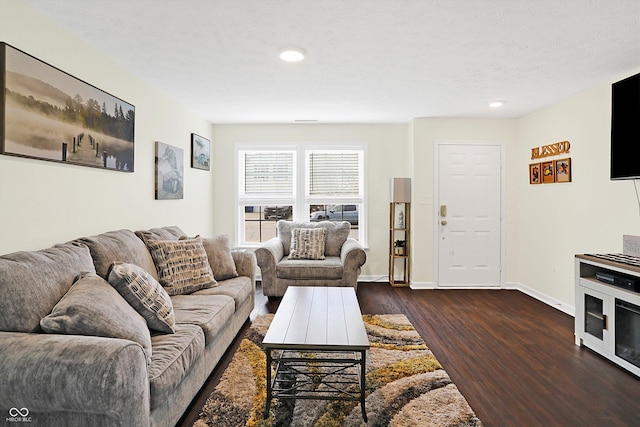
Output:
x=443 y=222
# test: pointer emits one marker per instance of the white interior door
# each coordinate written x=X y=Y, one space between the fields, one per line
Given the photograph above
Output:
x=468 y=213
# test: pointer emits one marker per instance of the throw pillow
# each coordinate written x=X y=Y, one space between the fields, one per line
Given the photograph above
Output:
x=144 y=294
x=182 y=265
x=307 y=243
x=220 y=259
x=92 y=307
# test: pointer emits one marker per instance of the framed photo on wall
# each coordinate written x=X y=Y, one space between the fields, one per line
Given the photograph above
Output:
x=548 y=172
x=200 y=152
x=563 y=170
x=534 y=173
x=48 y=114
x=169 y=172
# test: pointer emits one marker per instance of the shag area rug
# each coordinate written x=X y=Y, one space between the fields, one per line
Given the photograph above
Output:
x=406 y=386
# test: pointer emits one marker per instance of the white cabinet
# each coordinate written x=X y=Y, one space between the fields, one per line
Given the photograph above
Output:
x=605 y=319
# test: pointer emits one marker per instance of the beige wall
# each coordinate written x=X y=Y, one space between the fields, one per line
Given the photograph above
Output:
x=588 y=215
x=387 y=154
x=426 y=131
x=42 y=203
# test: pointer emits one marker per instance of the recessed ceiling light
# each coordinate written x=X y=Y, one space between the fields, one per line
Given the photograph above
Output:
x=496 y=104
x=292 y=54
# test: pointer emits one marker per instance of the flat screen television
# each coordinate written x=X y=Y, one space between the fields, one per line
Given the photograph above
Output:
x=625 y=128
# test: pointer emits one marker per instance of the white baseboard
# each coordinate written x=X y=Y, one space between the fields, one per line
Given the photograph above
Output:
x=550 y=301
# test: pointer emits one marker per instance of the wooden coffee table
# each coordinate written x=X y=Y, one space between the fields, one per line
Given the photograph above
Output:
x=322 y=343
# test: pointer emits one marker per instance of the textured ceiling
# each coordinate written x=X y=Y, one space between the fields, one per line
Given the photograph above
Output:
x=369 y=61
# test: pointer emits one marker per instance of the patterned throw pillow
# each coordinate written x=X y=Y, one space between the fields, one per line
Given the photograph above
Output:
x=93 y=308
x=182 y=265
x=145 y=294
x=307 y=243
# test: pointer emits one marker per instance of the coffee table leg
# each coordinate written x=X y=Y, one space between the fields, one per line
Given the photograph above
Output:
x=268 y=402
x=363 y=383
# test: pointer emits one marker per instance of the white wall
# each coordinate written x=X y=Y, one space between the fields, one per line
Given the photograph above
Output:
x=425 y=132
x=588 y=215
x=387 y=154
x=42 y=203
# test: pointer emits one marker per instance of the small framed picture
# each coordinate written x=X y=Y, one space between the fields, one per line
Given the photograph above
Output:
x=200 y=152
x=534 y=173
x=563 y=170
x=169 y=172
x=548 y=172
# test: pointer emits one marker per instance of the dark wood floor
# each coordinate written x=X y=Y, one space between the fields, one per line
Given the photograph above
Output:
x=511 y=356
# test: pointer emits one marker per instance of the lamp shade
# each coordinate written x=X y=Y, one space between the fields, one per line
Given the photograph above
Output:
x=400 y=190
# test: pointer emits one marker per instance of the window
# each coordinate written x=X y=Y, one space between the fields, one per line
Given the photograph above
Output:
x=299 y=182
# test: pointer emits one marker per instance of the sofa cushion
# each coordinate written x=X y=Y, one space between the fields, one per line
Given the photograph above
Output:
x=336 y=233
x=118 y=245
x=32 y=283
x=144 y=294
x=173 y=358
x=307 y=243
x=209 y=312
x=330 y=268
x=239 y=288
x=182 y=265
x=220 y=257
x=171 y=232
x=93 y=308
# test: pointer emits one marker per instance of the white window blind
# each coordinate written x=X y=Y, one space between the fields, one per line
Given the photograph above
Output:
x=268 y=173
x=333 y=173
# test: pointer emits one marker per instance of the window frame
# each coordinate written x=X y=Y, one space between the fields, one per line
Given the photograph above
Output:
x=300 y=201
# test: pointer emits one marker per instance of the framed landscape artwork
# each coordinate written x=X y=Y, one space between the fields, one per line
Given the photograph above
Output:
x=169 y=172
x=200 y=152
x=48 y=114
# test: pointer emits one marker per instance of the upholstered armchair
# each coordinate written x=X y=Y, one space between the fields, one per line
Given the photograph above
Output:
x=310 y=254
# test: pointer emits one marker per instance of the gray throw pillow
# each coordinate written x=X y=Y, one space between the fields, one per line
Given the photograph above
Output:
x=220 y=258
x=92 y=307
x=144 y=294
x=182 y=265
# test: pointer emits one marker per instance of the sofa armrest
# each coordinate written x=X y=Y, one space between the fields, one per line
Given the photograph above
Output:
x=353 y=258
x=48 y=373
x=268 y=255
x=246 y=264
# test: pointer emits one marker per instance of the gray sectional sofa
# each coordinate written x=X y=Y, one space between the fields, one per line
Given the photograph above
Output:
x=74 y=351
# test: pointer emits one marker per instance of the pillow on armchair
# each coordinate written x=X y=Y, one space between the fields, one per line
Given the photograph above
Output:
x=336 y=233
x=307 y=243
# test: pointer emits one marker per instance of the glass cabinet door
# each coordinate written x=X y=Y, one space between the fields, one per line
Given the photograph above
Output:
x=595 y=320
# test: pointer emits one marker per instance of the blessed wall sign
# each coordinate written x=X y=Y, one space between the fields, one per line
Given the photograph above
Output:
x=550 y=171
x=561 y=147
